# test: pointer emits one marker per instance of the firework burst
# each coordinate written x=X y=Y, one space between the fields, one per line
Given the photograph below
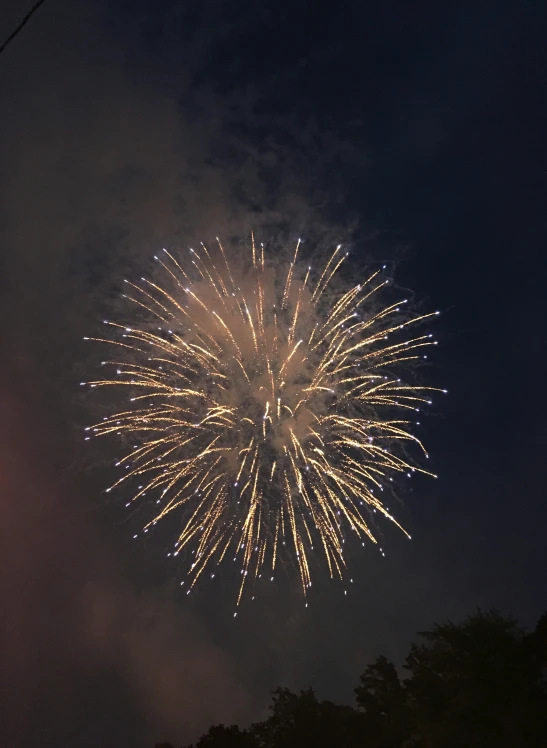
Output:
x=265 y=410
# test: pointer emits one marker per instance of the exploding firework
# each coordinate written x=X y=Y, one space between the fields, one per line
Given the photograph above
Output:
x=265 y=409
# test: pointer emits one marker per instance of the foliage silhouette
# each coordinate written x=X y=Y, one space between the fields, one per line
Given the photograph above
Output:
x=481 y=683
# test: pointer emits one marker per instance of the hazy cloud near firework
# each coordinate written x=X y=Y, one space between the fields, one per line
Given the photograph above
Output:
x=74 y=626
x=101 y=166
x=104 y=165
x=95 y=166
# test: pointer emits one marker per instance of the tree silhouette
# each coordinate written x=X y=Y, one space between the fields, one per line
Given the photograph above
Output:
x=478 y=684
x=382 y=698
x=220 y=736
x=302 y=721
x=537 y=642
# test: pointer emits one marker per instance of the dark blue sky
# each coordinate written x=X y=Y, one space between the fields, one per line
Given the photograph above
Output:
x=131 y=124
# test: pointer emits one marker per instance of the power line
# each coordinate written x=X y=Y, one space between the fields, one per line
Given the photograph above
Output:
x=14 y=33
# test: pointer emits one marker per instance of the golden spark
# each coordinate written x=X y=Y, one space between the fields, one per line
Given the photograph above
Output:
x=261 y=406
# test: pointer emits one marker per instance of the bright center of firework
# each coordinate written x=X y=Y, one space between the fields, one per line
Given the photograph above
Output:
x=262 y=407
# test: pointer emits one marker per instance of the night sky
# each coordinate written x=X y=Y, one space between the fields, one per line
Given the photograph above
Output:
x=417 y=132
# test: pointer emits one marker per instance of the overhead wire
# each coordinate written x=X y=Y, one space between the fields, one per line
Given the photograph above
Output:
x=25 y=20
